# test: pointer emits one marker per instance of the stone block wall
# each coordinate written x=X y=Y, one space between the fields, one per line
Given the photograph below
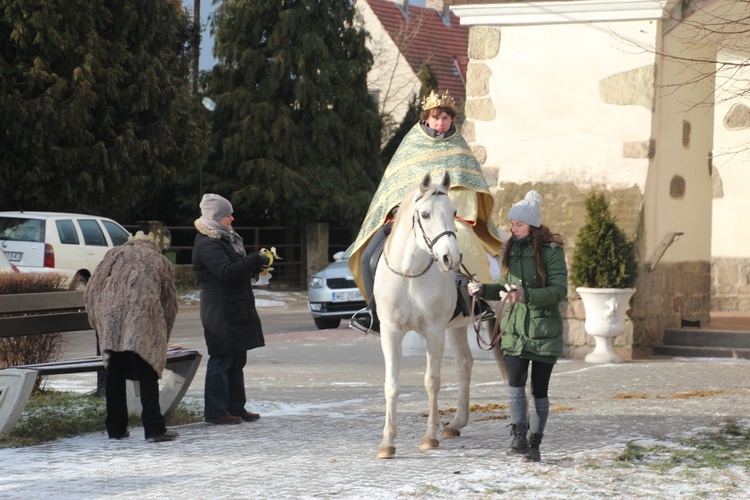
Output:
x=672 y=292
x=730 y=284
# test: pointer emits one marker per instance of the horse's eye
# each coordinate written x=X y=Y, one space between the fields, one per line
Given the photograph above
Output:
x=455 y=213
x=425 y=215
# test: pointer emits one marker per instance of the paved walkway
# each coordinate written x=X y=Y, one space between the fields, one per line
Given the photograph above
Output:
x=321 y=399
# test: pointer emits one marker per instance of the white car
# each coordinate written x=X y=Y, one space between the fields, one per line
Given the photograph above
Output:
x=73 y=244
x=7 y=266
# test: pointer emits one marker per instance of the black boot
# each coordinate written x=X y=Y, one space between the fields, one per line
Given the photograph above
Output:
x=519 y=444
x=533 y=454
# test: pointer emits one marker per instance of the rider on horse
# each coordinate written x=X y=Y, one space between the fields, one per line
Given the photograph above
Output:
x=432 y=146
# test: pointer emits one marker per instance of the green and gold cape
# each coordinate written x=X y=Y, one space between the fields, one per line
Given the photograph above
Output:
x=418 y=154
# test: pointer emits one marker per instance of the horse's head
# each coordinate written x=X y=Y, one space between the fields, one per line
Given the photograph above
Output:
x=434 y=222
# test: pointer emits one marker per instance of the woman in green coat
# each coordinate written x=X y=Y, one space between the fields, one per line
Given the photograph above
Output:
x=535 y=278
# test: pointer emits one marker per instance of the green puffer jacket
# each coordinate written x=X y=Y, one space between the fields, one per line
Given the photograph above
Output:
x=534 y=327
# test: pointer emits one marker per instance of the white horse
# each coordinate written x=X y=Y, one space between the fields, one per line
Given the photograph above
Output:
x=415 y=290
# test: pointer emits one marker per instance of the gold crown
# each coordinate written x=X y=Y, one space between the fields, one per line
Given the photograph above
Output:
x=434 y=100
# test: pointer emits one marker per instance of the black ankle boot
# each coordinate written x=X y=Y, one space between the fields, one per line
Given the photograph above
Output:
x=533 y=455
x=519 y=444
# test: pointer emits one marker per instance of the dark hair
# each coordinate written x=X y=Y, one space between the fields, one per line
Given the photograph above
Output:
x=538 y=237
x=426 y=113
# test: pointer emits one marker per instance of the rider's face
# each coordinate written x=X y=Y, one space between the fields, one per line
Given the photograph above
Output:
x=440 y=122
x=519 y=229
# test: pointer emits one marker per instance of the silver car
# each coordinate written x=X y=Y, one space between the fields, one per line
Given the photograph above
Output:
x=332 y=294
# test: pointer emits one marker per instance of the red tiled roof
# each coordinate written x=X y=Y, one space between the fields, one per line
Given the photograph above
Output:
x=423 y=37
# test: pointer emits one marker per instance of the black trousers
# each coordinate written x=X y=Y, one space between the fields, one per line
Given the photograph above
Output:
x=124 y=366
x=518 y=372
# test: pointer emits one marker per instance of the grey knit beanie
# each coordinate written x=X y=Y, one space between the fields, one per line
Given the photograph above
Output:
x=215 y=207
x=528 y=209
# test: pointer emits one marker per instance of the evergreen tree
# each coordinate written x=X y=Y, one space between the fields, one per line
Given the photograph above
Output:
x=95 y=105
x=428 y=80
x=410 y=119
x=296 y=134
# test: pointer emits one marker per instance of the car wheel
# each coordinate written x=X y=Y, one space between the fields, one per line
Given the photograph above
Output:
x=79 y=282
x=327 y=323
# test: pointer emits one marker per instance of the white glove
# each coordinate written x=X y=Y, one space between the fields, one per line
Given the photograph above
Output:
x=475 y=288
x=505 y=292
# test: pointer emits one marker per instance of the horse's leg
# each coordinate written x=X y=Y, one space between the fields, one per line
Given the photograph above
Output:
x=464 y=363
x=390 y=342
x=435 y=350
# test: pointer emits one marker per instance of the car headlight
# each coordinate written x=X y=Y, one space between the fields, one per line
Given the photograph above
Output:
x=316 y=282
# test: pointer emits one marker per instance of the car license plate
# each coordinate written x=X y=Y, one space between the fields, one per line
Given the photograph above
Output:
x=14 y=256
x=350 y=296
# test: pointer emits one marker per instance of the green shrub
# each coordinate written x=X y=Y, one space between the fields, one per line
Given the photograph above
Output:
x=603 y=256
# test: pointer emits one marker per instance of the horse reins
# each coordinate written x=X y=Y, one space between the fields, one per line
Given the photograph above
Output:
x=430 y=245
x=496 y=334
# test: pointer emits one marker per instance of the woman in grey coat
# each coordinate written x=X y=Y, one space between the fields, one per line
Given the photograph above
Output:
x=231 y=325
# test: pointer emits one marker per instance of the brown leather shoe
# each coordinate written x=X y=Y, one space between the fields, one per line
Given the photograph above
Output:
x=224 y=420
x=249 y=416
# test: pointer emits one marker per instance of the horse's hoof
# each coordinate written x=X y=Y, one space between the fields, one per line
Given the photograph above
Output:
x=429 y=444
x=386 y=452
x=449 y=433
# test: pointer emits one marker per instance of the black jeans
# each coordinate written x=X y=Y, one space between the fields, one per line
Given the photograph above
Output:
x=129 y=365
x=518 y=372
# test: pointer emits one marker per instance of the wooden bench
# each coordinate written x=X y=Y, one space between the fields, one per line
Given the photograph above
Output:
x=53 y=312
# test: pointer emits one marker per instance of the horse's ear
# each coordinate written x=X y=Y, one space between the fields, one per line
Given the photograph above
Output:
x=426 y=183
x=446 y=180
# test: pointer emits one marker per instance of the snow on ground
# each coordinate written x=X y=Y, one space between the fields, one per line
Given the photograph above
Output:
x=322 y=405
x=263 y=297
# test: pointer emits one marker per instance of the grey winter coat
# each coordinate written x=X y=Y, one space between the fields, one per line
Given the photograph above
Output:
x=535 y=326
x=230 y=321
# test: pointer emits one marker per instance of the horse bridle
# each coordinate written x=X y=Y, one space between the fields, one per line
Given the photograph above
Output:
x=430 y=244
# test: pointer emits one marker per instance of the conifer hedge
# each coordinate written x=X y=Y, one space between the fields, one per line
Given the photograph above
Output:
x=603 y=255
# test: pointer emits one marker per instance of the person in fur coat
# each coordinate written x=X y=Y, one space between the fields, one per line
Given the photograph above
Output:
x=131 y=301
x=231 y=325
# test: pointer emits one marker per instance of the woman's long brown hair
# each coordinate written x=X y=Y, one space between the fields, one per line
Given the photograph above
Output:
x=538 y=236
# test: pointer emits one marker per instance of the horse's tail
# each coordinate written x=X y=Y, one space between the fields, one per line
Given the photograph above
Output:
x=500 y=357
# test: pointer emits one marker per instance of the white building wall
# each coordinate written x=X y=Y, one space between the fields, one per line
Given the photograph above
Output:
x=551 y=124
x=731 y=161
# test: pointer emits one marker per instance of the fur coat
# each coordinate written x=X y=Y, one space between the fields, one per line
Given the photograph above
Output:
x=131 y=302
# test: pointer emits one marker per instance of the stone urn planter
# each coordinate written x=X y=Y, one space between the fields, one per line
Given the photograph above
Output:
x=604 y=270
x=605 y=319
